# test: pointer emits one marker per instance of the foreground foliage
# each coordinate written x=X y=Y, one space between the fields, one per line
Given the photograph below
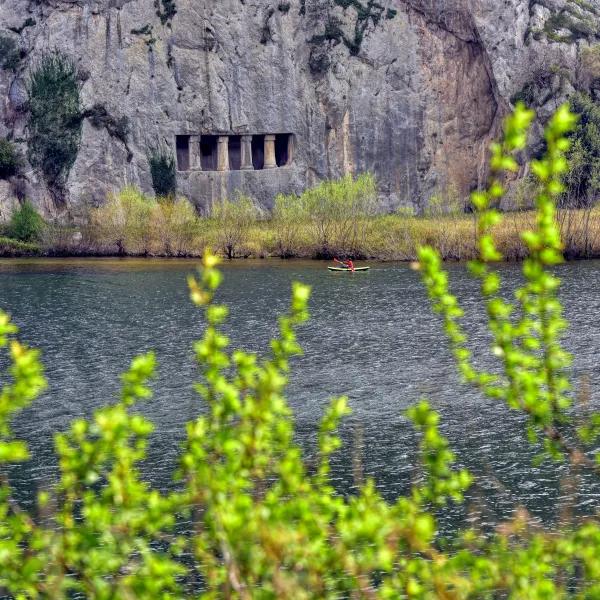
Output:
x=264 y=525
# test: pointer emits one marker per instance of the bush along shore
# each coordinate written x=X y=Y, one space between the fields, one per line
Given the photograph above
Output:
x=335 y=218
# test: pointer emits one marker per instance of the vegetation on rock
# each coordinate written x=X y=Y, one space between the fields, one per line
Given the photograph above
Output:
x=54 y=118
x=583 y=176
x=576 y=20
x=10 y=160
x=28 y=22
x=117 y=127
x=10 y=57
x=163 y=172
x=590 y=64
x=165 y=10
x=367 y=14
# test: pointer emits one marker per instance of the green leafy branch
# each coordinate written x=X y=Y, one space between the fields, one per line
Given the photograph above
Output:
x=526 y=334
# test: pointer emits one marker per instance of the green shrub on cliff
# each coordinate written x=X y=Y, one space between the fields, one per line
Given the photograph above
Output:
x=10 y=161
x=54 y=118
x=163 y=172
x=583 y=176
x=10 y=57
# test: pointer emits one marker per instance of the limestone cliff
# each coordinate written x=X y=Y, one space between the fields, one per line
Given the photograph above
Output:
x=412 y=90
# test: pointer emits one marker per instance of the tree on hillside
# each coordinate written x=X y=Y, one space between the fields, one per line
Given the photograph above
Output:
x=582 y=180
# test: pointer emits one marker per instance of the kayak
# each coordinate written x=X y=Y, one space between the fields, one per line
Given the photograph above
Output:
x=346 y=269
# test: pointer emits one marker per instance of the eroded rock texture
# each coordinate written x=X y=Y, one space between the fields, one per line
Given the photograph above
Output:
x=412 y=90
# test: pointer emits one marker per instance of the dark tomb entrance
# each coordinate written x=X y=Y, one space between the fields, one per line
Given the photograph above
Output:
x=235 y=152
x=258 y=151
x=208 y=152
x=283 y=149
x=182 y=143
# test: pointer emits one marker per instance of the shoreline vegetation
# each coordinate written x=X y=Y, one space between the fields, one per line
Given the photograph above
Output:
x=335 y=218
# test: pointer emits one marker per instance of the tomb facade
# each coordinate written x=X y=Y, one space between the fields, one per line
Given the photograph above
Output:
x=221 y=153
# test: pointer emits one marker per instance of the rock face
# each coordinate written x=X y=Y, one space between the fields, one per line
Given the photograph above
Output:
x=412 y=90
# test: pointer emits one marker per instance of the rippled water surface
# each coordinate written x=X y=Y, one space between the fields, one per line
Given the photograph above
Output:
x=372 y=337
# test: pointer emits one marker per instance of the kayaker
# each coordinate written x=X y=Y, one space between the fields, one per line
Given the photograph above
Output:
x=346 y=263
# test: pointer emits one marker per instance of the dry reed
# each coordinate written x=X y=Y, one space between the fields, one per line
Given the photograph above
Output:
x=175 y=232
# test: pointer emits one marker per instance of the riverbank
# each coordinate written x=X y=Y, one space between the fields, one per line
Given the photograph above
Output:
x=384 y=238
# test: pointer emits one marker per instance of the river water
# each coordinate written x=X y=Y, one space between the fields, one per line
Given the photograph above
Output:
x=372 y=336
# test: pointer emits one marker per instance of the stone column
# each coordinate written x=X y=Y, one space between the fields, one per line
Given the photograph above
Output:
x=223 y=153
x=270 y=162
x=246 y=150
x=194 y=144
x=290 y=149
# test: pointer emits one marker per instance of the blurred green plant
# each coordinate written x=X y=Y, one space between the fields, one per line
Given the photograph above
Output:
x=263 y=524
x=527 y=333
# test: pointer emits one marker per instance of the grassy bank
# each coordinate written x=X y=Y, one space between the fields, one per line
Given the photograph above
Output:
x=397 y=237
x=386 y=238
x=334 y=219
